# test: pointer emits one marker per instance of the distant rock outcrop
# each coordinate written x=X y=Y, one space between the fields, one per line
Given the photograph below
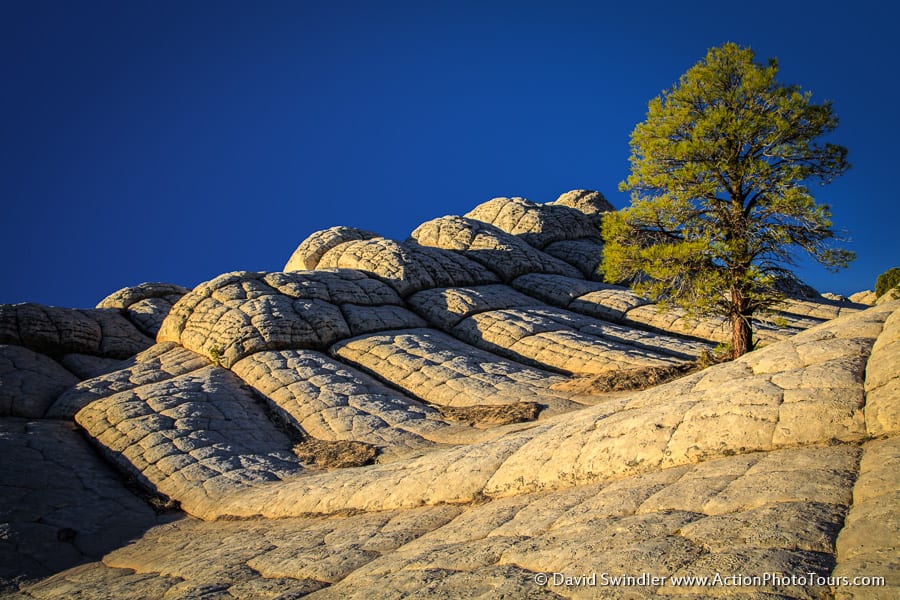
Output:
x=866 y=297
x=238 y=422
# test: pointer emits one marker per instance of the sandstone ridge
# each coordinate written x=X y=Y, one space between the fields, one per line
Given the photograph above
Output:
x=415 y=418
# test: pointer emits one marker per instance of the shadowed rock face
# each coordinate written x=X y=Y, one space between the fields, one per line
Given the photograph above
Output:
x=145 y=305
x=102 y=332
x=784 y=461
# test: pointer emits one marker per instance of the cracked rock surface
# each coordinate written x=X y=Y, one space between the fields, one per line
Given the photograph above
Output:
x=621 y=305
x=537 y=224
x=30 y=382
x=392 y=419
x=49 y=329
x=439 y=369
x=504 y=254
x=190 y=437
x=310 y=252
x=408 y=268
x=333 y=401
x=60 y=504
x=145 y=305
x=238 y=314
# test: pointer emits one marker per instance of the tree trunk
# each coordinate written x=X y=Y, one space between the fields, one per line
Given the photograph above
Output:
x=741 y=335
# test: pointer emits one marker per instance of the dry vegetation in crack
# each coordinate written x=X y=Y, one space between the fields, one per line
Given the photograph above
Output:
x=489 y=416
x=335 y=454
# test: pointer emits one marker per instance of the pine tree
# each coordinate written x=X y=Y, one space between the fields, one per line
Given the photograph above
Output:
x=719 y=198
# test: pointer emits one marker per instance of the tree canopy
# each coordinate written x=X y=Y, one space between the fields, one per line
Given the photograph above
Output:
x=720 y=203
x=887 y=281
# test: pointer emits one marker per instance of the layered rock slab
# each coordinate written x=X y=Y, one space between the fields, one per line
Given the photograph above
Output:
x=511 y=324
x=85 y=366
x=883 y=379
x=590 y=202
x=321 y=551
x=778 y=509
x=331 y=401
x=567 y=228
x=759 y=403
x=259 y=559
x=192 y=437
x=547 y=337
x=776 y=512
x=821 y=308
x=621 y=305
x=631 y=526
x=158 y=363
x=867 y=545
x=865 y=297
x=439 y=369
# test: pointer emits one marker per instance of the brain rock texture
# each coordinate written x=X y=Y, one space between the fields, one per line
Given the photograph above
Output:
x=435 y=418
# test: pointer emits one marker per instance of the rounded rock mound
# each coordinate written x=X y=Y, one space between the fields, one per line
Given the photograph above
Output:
x=503 y=253
x=146 y=305
x=538 y=224
x=408 y=268
x=587 y=201
x=240 y=313
x=312 y=249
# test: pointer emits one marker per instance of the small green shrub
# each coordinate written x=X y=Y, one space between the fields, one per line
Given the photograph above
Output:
x=719 y=354
x=215 y=355
x=780 y=321
x=887 y=281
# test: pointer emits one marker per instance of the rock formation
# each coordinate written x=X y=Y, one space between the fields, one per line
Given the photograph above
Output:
x=419 y=418
x=866 y=297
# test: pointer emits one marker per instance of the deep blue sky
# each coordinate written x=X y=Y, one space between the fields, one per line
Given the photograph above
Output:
x=173 y=141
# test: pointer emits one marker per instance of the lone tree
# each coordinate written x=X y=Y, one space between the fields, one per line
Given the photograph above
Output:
x=719 y=196
x=887 y=281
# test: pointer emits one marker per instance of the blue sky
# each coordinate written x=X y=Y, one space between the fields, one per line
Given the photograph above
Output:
x=174 y=141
